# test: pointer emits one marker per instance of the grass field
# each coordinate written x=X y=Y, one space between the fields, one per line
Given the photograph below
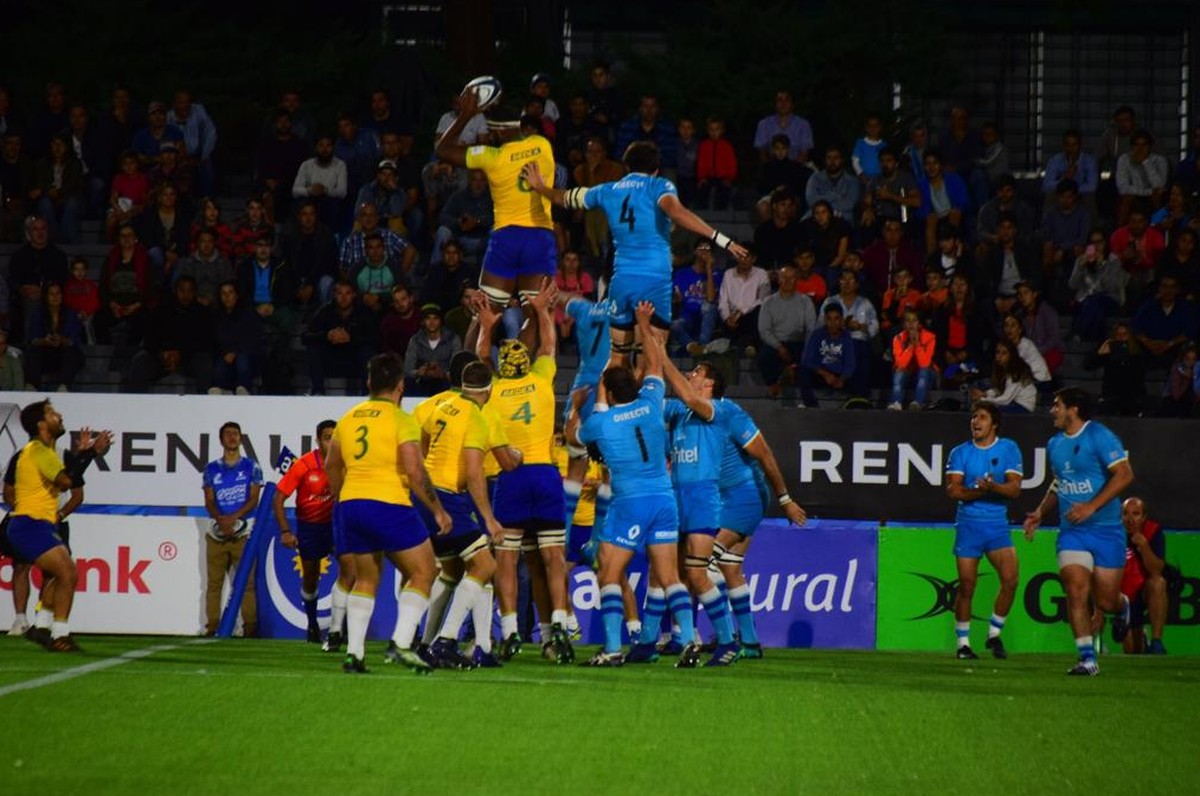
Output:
x=250 y=717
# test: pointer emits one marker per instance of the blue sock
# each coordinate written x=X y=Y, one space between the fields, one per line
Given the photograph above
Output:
x=310 y=607
x=717 y=610
x=996 y=625
x=603 y=498
x=962 y=630
x=718 y=580
x=1087 y=650
x=679 y=601
x=656 y=607
x=612 y=610
x=739 y=601
x=571 y=491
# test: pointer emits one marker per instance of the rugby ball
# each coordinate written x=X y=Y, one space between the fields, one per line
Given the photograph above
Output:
x=487 y=89
x=241 y=529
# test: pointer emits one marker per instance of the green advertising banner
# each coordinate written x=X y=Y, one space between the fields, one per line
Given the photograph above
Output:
x=917 y=584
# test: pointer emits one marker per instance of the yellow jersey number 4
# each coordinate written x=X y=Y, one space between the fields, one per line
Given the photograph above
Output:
x=524 y=414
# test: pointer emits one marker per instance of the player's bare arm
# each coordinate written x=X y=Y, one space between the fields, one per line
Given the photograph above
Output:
x=542 y=304
x=670 y=204
x=762 y=453
x=956 y=489
x=448 y=148
x=683 y=388
x=335 y=468
x=1034 y=518
x=654 y=352
x=420 y=485
x=477 y=488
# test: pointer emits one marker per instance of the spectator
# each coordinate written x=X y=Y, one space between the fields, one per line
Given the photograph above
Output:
x=694 y=294
x=784 y=122
x=993 y=162
x=1039 y=323
x=1141 y=173
x=248 y=229
x=310 y=248
x=574 y=129
x=1182 y=261
x=776 y=239
x=887 y=255
x=466 y=218
x=427 y=361
x=16 y=175
x=808 y=281
x=865 y=155
x=539 y=86
x=1179 y=393
x=1076 y=165
x=209 y=217
x=54 y=353
x=951 y=256
x=57 y=190
x=238 y=337
x=304 y=124
x=174 y=170
x=781 y=171
x=596 y=168
x=12 y=374
x=1065 y=230
x=534 y=113
x=785 y=321
x=276 y=163
x=400 y=323
x=570 y=278
x=340 y=338
x=899 y=299
x=739 y=300
x=207 y=268
x=441 y=179
x=687 y=154
x=1187 y=173
x=1005 y=201
x=379 y=117
x=1014 y=333
x=961 y=332
x=1123 y=386
x=446 y=280
x=834 y=185
x=937 y=292
x=913 y=156
x=1144 y=582
x=1165 y=323
x=943 y=197
x=199 y=135
x=1008 y=262
x=892 y=195
x=358 y=148
x=1173 y=217
x=397 y=147
x=862 y=324
x=32 y=268
x=322 y=180
x=1012 y=386
x=1098 y=282
x=49 y=121
x=716 y=167
x=353 y=252
x=148 y=141
x=961 y=147
x=116 y=127
x=7 y=122
x=647 y=126
x=165 y=233
x=124 y=288
x=232 y=485
x=475 y=130
x=179 y=341
x=827 y=235
x=129 y=195
x=829 y=357
x=269 y=285
x=1140 y=247
x=386 y=195
x=914 y=352
x=604 y=101
x=81 y=296
x=377 y=275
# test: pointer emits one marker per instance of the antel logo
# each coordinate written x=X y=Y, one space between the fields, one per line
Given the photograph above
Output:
x=96 y=575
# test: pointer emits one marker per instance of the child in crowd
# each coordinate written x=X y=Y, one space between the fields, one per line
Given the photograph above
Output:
x=82 y=296
x=899 y=299
x=716 y=167
x=129 y=196
x=936 y=292
x=865 y=155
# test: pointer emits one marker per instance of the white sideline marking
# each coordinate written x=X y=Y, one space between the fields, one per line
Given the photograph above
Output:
x=87 y=668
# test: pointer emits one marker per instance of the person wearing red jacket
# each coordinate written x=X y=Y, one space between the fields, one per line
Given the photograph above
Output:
x=1143 y=582
x=124 y=288
x=716 y=168
x=912 y=356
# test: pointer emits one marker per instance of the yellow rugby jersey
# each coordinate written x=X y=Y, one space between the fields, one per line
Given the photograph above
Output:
x=516 y=204
x=36 y=495
x=455 y=425
x=585 y=510
x=423 y=410
x=527 y=411
x=497 y=438
x=369 y=435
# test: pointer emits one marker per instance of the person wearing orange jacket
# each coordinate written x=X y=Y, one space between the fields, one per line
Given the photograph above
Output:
x=912 y=356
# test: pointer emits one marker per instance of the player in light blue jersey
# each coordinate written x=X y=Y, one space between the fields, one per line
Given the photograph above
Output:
x=633 y=440
x=640 y=208
x=1091 y=469
x=983 y=475
x=750 y=479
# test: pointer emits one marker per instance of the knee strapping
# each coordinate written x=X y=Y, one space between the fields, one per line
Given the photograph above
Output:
x=729 y=559
x=511 y=543
x=695 y=562
x=553 y=538
x=497 y=295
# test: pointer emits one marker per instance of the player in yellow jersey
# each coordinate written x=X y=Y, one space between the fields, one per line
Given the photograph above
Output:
x=521 y=250
x=374 y=469
x=33 y=529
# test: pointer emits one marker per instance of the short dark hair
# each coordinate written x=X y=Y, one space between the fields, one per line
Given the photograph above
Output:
x=946 y=230
x=1123 y=109
x=185 y=278
x=228 y=424
x=33 y=414
x=1006 y=181
x=932 y=152
x=780 y=138
x=324 y=424
x=1072 y=133
x=834 y=307
x=718 y=378
x=642 y=157
x=993 y=411
x=1006 y=216
x=345 y=281
x=1066 y=186
x=890 y=151
x=1077 y=397
x=385 y=372
x=458 y=363
x=621 y=384
x=1144 y=134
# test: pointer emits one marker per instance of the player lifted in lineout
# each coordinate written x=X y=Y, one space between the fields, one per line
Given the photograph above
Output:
x=640 y=208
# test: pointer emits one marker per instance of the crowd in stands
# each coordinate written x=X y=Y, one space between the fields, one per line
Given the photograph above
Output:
x=878 y=267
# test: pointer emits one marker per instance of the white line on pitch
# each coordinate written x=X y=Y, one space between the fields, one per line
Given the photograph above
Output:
x=87 y=668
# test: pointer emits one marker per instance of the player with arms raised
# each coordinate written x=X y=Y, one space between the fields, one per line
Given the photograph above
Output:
x=640 y=208
x=1091 y=469
x=374 y=461
x=983 y=475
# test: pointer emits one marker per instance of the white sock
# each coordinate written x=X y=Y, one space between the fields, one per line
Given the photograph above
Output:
x=439 y=598
x=59 y=629
x=961 y=631
x=634 y=627
x=481 y=617
x=337 y=600
x=508 y=625
x=45 y=618
x=544 y=631
x=20 y=619
x=572 y=623
x=359 y=608
x=466 y=594
x=307 y=596
x=995 y=625
x=558 y=618
x=412 y=607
